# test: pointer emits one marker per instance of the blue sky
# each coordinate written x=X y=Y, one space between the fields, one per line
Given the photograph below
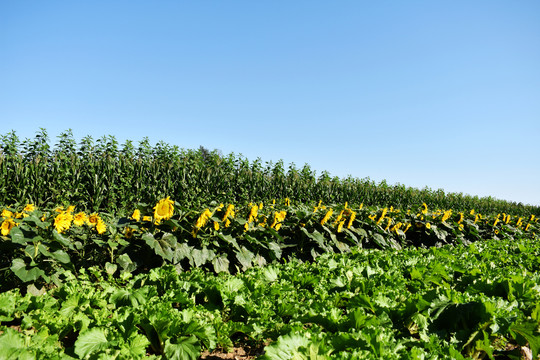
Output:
x=444 y=94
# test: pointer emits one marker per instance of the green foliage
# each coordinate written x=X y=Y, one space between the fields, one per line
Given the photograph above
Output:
x=413 y=274
x=448 y=302
x=230 y=240
x=103 y=175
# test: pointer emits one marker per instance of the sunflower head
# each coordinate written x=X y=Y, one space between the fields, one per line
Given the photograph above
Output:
x=101 y=227
x=93 y=219
x=136 y=215
x=164 y=209
x=128 y=232
x=62 y=221
x=79 y=219
x=6 y=226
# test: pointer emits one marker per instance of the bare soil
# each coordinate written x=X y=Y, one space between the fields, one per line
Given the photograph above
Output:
x=236 y=353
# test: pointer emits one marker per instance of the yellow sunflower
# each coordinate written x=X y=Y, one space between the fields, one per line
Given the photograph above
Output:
x=6 y=214
x=7 y=225
x=79 y=219
x=136 y=215
x=327 y=216
x=93 y=219
x=164 y=209
x=128 y=232
x=62 y=221
x=101 y=227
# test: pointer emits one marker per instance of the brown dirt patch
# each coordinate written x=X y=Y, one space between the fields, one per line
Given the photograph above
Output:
x=235 y=353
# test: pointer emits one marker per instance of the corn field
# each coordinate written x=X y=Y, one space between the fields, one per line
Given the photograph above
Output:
x=103 y=175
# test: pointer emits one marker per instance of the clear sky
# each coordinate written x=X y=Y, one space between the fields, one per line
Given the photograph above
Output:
x=444 y=94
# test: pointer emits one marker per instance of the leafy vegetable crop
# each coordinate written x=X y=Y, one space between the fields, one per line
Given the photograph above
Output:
x=452 y=302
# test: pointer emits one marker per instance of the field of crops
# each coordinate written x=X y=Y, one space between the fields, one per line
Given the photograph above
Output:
x=124 y=252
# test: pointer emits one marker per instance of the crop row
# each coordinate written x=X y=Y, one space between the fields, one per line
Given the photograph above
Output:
x=38 y=243
x=454 y=302
x=103 y=175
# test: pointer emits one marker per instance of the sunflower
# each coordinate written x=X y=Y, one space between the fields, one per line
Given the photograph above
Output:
x=338 y=219
x=101 y=227
x=79 y=219
x=351 y=219
x=385 y=210
x=340 y=226
x=62 y=221
x=327 y=216
x=446 y=215
x=136 y=215
x=93 y=219
x=278 y=219
x=164 y=209
x=128 y=232
x=203 y=219
x=7 y=225
x=253 y=213
x=318 y=206
x=228 y=213
x=388 y=224
x=29 y=207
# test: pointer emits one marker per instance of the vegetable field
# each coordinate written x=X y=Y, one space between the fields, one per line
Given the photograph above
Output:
x=126 y=252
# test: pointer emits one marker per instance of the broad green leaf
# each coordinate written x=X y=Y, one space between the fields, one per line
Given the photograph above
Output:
x=110 y=268
x=132 y=298
x=230 y=240
x=318 y=238
x=137 y=345
x=19 y=268
x=201 y=257
x=185 y=348
x=275 y=248
x=529 y=331
x=32 y=289
x=221 y=264
x=231 y=287
x=60 y=256
x=245 y=257
x=90 y=342
x=7 y=306
x=485 y=346
x=183 y=251
x=379 y=240
x=17 y=236
x=285 y=348
x=12 y=346
x=61 y=239
x=163 y=247
x=270 y=274
x=34 y=220
x=205 y=332
x=125 y=263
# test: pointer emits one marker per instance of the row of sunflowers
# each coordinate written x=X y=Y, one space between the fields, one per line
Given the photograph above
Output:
x=37 y=243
